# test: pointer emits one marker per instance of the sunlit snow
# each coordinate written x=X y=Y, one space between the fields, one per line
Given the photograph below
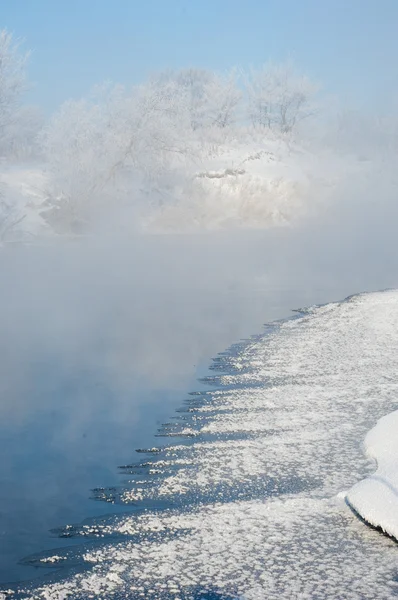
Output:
x=247 y=501
x=376 y=498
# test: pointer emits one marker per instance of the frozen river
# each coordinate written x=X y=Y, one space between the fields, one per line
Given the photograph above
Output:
x=243 y=494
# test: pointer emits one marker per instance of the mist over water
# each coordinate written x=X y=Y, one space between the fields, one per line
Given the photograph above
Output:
x=145 y=230
x=102 y=338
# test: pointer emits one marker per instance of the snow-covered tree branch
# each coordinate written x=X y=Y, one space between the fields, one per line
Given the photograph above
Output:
x=19 y=124
x=279 y=98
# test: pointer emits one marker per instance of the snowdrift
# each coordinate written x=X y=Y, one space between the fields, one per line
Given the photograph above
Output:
x=376 y=497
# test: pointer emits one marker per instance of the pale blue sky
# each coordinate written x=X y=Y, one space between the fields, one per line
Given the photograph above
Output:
x=350 y=46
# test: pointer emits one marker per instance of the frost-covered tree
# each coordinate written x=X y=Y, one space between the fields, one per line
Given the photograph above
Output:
x=20 y=139
x=205 y=99
x=93 y=145
x=12 y=79
x=191 y=86
x=10 y=215
x=19 y=124
x=146 y=144
x=279 y=99
x=224 y=98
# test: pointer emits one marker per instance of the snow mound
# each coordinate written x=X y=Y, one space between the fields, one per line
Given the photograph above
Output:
x=376 y=497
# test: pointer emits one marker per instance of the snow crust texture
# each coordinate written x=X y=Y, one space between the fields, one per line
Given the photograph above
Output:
x=246 y=501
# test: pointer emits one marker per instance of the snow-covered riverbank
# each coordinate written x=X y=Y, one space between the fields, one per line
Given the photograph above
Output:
x=248 y=500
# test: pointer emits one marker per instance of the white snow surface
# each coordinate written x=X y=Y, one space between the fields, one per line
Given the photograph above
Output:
x=376 y=497
x=254 y=506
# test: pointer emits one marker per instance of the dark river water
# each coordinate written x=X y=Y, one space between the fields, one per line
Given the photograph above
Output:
x=67 y=429
x=74 y=441
x=241 y=491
